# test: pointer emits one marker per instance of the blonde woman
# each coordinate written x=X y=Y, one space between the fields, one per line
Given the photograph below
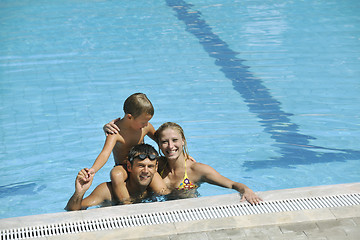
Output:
x=182 y=175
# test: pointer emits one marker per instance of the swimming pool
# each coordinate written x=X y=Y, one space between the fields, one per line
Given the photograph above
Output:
x=266 y=91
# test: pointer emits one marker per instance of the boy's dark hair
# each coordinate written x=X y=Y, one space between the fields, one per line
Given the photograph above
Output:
x=142 y=148
x=137 y=104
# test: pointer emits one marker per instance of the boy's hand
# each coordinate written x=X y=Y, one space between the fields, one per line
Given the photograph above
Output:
x=111 y=127
x=89 y=173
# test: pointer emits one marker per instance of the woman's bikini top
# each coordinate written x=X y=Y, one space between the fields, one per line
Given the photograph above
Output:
x=185 y=184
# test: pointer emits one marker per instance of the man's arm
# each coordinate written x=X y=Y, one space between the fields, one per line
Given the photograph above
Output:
x=100 y=194
x=210 y=175
x=82 y=184
x=158 y=185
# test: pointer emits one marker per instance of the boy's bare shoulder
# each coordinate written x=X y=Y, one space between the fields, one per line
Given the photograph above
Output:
x=120 y=124
x=117 y=137
x=121 y=137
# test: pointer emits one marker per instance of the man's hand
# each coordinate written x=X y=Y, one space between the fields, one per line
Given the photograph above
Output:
x=83 y=181
x=111 y=127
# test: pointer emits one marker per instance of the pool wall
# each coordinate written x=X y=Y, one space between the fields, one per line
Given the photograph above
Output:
x=161 y=219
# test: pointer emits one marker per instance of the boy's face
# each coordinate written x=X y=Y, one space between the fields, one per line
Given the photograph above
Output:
x=141 y=121
x=142 y=171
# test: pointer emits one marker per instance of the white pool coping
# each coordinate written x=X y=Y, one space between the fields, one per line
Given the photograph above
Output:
x=198 y=225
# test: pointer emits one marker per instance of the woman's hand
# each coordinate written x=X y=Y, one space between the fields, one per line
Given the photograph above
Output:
x=111 y=127
x=250 y=196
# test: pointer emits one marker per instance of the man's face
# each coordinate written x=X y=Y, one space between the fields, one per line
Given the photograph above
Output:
x=142 y=171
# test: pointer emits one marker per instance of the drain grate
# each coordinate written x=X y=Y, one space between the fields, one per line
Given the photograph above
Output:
x=181 y=216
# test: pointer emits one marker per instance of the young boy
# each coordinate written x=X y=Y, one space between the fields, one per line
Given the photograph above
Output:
x=133 y=128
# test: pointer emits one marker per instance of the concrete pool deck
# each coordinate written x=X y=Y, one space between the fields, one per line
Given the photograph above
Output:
x=338 y=222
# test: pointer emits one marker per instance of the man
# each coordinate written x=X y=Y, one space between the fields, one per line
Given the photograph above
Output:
x=142 y=165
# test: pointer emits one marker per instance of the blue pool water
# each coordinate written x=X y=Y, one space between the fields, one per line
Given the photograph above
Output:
x=266 y=91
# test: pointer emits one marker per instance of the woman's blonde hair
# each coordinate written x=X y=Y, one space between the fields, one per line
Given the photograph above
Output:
x=175 y=127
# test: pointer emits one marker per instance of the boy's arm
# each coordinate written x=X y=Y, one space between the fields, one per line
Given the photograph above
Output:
x=210 y=175
x=82 y=184
x=105 y=152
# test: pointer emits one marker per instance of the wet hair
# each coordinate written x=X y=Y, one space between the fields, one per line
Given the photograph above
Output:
x=137 y=104
x=142 y=149
x=176 y=127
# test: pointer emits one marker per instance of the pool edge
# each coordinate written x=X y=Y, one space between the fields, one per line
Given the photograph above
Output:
x=200 y=225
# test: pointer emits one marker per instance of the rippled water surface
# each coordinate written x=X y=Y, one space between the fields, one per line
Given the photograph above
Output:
x=266 y=91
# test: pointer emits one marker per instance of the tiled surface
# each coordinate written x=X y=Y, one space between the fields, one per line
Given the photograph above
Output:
x=229 y=228
x=326 y=223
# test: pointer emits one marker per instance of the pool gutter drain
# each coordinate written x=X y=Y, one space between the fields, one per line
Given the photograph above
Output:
x=181 y=216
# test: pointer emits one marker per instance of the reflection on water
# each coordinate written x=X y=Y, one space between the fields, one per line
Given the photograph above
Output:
x=20 y=188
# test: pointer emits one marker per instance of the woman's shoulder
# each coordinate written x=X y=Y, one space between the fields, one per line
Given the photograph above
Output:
x=197 y=172
x=198 y=167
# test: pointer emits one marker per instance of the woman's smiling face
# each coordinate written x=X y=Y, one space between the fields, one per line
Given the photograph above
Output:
x=171 y=143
